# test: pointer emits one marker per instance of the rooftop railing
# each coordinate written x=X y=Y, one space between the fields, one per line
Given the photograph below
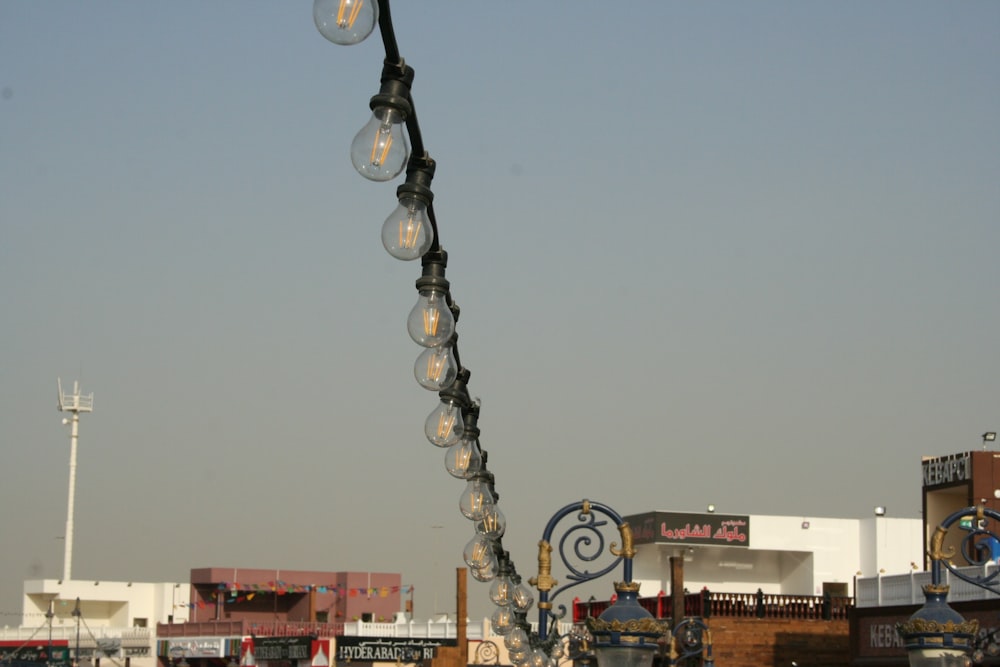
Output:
x=760 y=605
x=888 y=590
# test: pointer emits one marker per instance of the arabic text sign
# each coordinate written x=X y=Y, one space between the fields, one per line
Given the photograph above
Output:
x=689 y=528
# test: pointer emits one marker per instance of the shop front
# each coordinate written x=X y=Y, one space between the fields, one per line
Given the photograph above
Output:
x=199 y=651
x=306 y=651
x=19 y=653
x=364 y=651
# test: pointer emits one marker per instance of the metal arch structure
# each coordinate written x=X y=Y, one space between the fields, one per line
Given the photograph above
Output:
x=579 y=545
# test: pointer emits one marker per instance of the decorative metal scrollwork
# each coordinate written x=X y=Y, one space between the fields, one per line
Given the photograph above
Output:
x=584 y=544
x=976 y=548
x=487 y=653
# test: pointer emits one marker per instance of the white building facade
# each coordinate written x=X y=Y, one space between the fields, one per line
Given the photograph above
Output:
x=786 y=555
x=116 y=621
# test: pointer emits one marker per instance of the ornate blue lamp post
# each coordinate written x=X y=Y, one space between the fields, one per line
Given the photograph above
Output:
x=937 y=635
x=626 y=634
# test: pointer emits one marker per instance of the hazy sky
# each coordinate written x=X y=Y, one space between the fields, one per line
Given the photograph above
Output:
x=743 y=253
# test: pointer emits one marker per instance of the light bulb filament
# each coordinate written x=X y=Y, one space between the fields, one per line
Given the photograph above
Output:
x=432 y=317
x=348 y=22
x=476 y=502
x=445 y=423
x=408 y=233
x=383 y=141
x=462 y=457
x=435 y=366
x=479 y=553
x=490 y=523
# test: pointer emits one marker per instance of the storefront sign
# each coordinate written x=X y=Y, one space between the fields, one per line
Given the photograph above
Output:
x=877 y=637
x=678 y=527
x=947 y=469
x=282 y=648
x=15 y=652
x=196 y=648
x=371 y=649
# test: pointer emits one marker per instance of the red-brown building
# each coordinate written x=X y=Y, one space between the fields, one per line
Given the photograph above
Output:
x=238 y=594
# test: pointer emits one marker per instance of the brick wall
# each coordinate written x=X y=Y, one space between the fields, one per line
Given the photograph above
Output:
x=753 y=642
x=747 y=642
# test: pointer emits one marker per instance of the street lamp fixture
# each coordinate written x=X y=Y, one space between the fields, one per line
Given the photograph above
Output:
x=937 y=635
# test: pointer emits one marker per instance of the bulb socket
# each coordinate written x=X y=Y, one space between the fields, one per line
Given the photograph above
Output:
x=394 y=91
x=434 y=264
x=419 y=173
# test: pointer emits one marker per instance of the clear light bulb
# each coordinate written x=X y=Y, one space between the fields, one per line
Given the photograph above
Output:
x=485 y=573
x=516 y=640
x=380 y=150
x=345 y=21
x=407 y=233
x=493 y=524
x=501 y=590
x=519 y=657
x=444 y=425
x=463 y=459
x=478 y=552
x=538 y=658
x=502 y=620
x=431 y=323
x=476 y=501
x=436 y=368
x=521 y=598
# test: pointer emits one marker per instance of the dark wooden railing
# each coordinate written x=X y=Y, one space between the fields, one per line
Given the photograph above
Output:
x=748 y=605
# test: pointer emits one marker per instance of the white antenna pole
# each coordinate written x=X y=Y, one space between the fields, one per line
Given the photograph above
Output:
x=74 y=404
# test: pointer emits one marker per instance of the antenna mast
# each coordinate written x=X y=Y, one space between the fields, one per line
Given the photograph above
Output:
x=74 y=404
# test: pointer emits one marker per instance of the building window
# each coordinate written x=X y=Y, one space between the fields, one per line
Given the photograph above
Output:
x=139 y=622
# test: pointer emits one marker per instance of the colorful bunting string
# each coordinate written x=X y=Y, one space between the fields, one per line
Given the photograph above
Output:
x=238 y=593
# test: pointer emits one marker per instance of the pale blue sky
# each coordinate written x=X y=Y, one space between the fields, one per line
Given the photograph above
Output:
x=743 y=253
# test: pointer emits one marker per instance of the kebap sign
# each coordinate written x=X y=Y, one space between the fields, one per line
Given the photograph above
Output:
x=947 y=469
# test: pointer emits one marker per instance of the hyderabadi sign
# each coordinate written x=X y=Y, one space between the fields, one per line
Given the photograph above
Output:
x=686 y=528
x=386 y=649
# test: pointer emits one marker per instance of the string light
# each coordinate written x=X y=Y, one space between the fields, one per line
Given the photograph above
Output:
x=379 y=152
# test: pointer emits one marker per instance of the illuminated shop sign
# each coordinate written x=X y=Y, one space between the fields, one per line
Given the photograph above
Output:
x=681 y=527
